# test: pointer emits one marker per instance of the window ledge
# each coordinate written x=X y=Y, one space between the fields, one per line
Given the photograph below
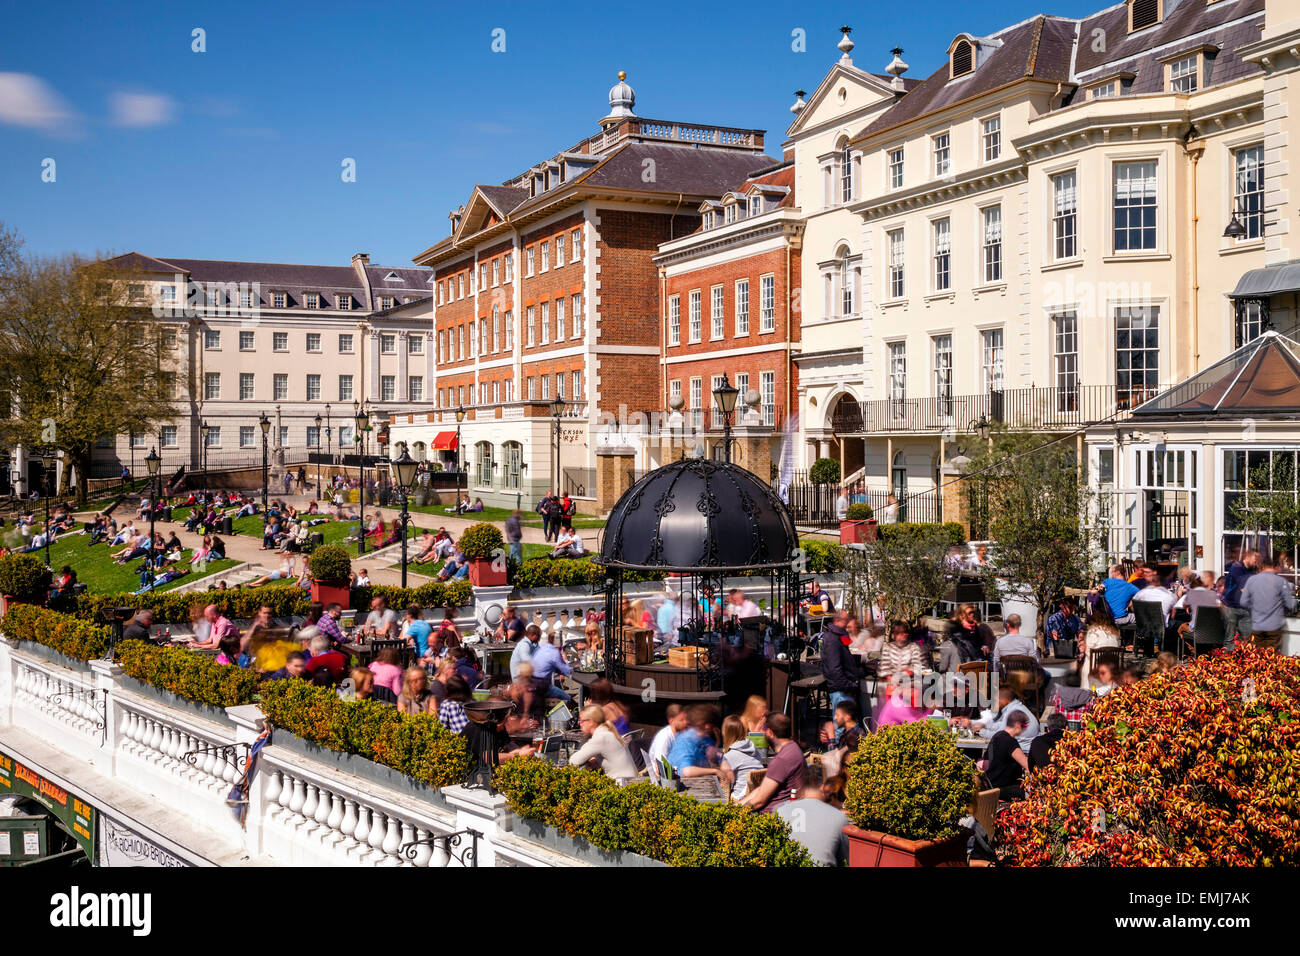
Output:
x=893 y=303
x=949 y=294
x=990 y=288
x=1137 y=257
x=1254 y=245
x=1074 y=263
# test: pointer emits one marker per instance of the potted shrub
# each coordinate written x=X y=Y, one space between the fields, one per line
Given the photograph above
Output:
x=908 y=785
x=483 y=545
x=24 y=579
x=824 y=471
x=331 y=575
x=858 y=525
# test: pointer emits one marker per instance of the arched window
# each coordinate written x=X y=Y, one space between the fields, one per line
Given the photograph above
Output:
x=963 y=58
x=483 y=454
x=512 y=464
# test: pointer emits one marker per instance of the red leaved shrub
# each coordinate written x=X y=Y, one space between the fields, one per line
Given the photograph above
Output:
x=1195 y=767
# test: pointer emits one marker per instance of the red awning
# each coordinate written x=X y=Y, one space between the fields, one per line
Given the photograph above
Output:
x=446 y=441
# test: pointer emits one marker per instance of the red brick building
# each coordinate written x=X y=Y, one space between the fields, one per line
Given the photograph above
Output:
x=547 y=287
x=729 y=306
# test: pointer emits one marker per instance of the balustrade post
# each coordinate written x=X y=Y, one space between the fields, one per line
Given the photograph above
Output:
x=7 y=679
x=249 y=722
x=485 y=813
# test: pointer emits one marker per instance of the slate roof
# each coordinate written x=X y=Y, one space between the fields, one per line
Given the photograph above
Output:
x=678 y=169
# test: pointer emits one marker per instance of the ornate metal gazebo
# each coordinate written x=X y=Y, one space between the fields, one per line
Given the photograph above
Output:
x=700 y=522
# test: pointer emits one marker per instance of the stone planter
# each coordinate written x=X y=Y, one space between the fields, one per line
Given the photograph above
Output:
x=332 y=592
x=873 y=848
x=358 y=766
x=217 y=715
x=482 y=574
x=858 y=532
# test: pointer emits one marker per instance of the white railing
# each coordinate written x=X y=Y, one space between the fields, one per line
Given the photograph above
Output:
x=182 y=762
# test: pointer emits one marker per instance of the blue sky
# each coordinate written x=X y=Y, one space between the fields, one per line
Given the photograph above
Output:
x=236 y=152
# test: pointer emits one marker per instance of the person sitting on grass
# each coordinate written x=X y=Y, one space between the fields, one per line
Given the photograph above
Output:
x=165 y=577
x=123 y=535
x=137 y=547
x=377 y=531
x=443 y=547
x=286 y=569
x=426 y=547
x=38 y=542
x=568 y=545
x=272 y=535
x=456 y=568
x=99 y=530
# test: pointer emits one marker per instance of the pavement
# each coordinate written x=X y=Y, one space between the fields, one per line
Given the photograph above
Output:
x=241 y=547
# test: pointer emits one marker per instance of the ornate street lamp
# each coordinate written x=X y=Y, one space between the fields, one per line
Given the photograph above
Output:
x=317 y=420
x=204 y=430
x=265 y=424
x=49 y=463
x=404 y=469
x=361 y=421
x=152 y=462
x=460 y=417
x=557 y=410
x=724 y=400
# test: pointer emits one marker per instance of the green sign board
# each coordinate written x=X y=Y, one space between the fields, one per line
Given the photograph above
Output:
x=77 y=816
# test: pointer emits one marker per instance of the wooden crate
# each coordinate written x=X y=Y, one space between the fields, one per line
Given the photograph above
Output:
x=687 y=656
x=638 y=645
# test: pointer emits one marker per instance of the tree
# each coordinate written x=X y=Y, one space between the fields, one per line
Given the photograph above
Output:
x=911 y=571
x=1037 y=501
x=824 y=471
x=1269 y=505
x=81 y=355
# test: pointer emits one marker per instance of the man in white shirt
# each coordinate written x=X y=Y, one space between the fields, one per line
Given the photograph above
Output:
x=991 y=721
x=663 y=740
x=381 y=622
x=740 y=606
x=1155 y=591
x=569 y=545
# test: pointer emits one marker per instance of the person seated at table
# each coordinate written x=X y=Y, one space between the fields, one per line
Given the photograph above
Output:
x=739 y=606
x=416 y=631
x=592 y=639
x=1007 y=759
x=1100 y=631
x=360 y=683
x=694 y=752
x=324 y=657
x=842 y=668
x=511 y=627
x=1165 y=662
x=1063 y=630
x=991 y=721
x=754 y=715
x=568 y=545
x=901 y=655
x=414 y=697
x=229 y=653
x=977 y=634
x=441 y=669
x=138 y=627
x=816 y=820
x=388 y=670
x=456 y=568
x=1104 y=679
x=381 y=622
x=786 y=770
x=818 y=595
x=528 y=699
x=844 y=730
x=957 y=649
x=1040 y=751
x=740 y=754
x=1013 y=643
x=295 y=665
x=604 y=749
x=451 y=712
x=1118 y=592
x=662 y=742
x=447 y=633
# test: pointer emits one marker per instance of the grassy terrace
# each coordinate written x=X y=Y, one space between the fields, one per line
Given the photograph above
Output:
x=529 y=518
x=431 y=569
x=334 y=531
x=96 y=569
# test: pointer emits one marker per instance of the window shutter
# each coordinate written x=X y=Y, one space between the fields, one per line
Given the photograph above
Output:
x=961 y=58
x=1145 y=13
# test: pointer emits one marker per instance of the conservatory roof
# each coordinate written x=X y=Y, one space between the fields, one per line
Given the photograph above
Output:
x=1260 y=378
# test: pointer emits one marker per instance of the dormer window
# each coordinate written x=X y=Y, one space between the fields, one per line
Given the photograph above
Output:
x=392 y=277
x=731 y=212
x=708 y=220
x=755 y=205
x=345 y=302
x=1144 y=13
x=961 y=59
x=311 y=300
x=1184 y=74
x=1104 y=91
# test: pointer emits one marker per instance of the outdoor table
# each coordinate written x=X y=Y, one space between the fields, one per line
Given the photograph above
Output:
x=493 y=653
x=972 y=747
x=1058 y=668
x=361 y=650
x=811 y=624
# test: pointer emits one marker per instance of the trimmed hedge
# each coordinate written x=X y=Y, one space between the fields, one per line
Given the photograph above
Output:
x=171 y=608
x=954 y=531
x=481 y=541
x=67 y=635
x=187 y=674
x=414 y=744
x=330 y=563
x=859 y=511
x=824 y=471
x=822 y=557
x=645 y=819
x=25 y=578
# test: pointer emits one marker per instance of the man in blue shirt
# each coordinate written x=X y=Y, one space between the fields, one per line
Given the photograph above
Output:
x=1119 y=593
x=1235 y=615
x=417 y=630
x=546 y=661
x=1063 y=630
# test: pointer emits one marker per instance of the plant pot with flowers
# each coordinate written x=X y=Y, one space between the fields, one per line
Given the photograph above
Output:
x=908 y=785
x=331 y=575
x=858 y=525
x=24 y=579
x=484 y=547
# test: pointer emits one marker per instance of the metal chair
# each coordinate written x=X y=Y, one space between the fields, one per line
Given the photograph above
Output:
x=405 y=650
x=1149 y=619
x=1211 y=631
x=1111 y=655
x=1023 y=675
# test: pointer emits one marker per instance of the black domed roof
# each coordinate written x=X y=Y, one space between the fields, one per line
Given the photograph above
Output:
x=697 y=513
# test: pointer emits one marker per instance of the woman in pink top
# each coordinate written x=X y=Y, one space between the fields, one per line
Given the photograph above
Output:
x=387 y=670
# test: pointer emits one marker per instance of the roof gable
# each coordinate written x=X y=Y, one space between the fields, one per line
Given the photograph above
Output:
x=814 y=112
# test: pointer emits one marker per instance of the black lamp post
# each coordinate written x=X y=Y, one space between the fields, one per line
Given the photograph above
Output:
x=48 y=461
x=983 y=427
x=404 y=468
x=361 y=420
x=329 y=444
x=265 y=424
x=204 y=430
x=557 y=409
x=318 y=420
x=460 y=417
x=152 y=462
x=724 y=399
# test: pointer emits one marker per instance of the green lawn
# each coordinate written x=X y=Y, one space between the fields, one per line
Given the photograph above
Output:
x=528 y=517
x=333 y=531
x=433 y=567
x=96 y=569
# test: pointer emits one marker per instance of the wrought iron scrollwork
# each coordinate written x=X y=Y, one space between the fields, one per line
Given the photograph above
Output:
x=461 y=846
x=96 y=697
x=234 y=754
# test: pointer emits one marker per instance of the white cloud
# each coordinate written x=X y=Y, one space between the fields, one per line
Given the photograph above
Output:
x=27 y=100
x=141 y=109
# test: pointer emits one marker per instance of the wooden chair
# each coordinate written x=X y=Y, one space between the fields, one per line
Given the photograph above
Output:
x=1111 y=655
x=986 y=809
x=1023 y=675
x=403 y=648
